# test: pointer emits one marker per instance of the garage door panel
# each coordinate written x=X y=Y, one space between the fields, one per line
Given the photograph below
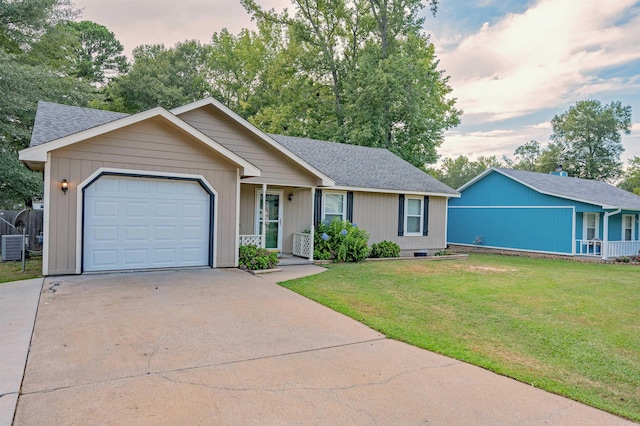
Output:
x=104 y=258
x=133 y=229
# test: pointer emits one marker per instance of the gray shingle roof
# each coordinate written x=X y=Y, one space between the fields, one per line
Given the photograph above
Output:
x=362 y=167
x=347 y=165
x=55 y=121
x=591 y=191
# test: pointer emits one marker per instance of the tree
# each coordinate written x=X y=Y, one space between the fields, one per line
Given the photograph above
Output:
x=98 y=55
x=22 y=22
x=161 y=77
x=366 y=74
x=631 y=177
x=456 y=172
x=18 y=185
x=526 y=157
x=590 y=136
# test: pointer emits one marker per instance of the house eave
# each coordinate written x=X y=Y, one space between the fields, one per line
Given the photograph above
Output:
x=391 y=191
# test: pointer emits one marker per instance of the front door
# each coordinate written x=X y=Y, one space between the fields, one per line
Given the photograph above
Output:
x=273 y=239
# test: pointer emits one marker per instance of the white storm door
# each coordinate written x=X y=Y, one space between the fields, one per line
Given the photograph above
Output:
x=273 y=238
x=141 y=223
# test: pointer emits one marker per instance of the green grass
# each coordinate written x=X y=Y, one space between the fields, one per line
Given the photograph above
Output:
x=570 y=328
x=12 y=271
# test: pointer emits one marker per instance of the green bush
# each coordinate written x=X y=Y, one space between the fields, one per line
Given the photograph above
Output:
x=385 y=249
x=340 y=241
x=256 y=258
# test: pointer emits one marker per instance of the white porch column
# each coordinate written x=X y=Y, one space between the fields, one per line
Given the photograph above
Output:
x=263 y=240
x=605 y=237
x=311 y=228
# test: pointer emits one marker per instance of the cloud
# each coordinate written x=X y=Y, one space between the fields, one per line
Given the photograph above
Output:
x=169 y=21
x=542 y=58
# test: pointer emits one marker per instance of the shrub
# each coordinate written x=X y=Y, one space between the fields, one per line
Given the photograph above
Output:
x=340 y=241
x=256 y=258
x=385 y=249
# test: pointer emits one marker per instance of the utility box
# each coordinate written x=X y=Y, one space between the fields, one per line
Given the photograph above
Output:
x=12 y=246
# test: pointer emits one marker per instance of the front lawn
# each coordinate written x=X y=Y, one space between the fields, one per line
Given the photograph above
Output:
x=570 y=328
x=12 y=271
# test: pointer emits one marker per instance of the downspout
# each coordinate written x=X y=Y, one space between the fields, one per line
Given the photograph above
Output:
x=605 y=241
x=311 y=228
x=263 y=231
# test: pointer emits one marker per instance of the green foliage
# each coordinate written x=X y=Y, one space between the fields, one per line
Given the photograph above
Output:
x=354 y=71
x=256 y=258
x=589 y=134
x=340 y=241
x=385 y=249
x=631 y=177
x=162 y=77
x=18 y=185
x=456 y=172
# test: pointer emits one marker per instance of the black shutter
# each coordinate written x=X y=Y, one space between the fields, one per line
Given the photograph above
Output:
x=350 y=206
x=401 y=215
x=425 y=217
x=317 y=206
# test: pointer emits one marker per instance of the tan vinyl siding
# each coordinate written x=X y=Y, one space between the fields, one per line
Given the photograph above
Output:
x=296 y=214
x=276 y=167
x=378 y=214
x=148 y=146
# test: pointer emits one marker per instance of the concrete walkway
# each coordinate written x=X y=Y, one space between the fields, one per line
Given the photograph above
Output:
x=226 y=347
x=18 y=306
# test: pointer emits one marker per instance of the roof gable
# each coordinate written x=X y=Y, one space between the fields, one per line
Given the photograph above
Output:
x=363 y=167
x=38 y=153
x=575 y=189
x=213 y=103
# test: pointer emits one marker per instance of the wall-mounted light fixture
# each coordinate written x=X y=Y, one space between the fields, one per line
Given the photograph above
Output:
x=290 y=197
x=64 y=185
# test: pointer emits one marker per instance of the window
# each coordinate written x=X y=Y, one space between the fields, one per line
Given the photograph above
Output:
x=334 y=206
x=591 y=226
x=413 y=215
x=628 y=227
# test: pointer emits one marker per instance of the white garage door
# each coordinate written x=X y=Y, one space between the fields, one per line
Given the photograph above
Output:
x=139 y=223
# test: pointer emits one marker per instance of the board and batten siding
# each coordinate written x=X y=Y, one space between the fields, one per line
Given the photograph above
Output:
x=377 y=213
x=544 y=229
x=276 y=168
x=296 y=214
x=152 y=146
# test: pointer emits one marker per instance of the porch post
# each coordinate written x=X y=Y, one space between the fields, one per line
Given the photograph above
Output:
x=312 y=231
x=263 y=240
x=605 y=236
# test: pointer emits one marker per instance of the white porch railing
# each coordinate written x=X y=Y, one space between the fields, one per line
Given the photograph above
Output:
x=302 y=245
x=623 y=248
x=588 y=248
x=247 y=240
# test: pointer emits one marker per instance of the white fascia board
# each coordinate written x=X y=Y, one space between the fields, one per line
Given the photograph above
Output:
x=326 y=180
x=39 y=153
x=390 y=191
x=477 y=178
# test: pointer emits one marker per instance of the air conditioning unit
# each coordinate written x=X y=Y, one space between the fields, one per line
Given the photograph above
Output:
x=11 y=247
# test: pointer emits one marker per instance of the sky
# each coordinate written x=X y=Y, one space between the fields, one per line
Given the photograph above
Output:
x=513 y=65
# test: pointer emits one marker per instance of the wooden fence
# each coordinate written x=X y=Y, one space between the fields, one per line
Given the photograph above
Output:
x=34 y=226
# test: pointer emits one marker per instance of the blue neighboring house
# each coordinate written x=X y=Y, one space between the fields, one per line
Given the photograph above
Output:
x=545 y=213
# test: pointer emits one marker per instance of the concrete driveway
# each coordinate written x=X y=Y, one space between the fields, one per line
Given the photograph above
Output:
x=225 y=347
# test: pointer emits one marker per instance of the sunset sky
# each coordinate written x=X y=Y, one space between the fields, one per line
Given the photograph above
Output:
x=513 y=65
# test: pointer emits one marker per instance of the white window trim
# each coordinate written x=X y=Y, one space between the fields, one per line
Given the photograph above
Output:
x=406 y=215
x=633 y=226
x=344 y=202
x=585 y=223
